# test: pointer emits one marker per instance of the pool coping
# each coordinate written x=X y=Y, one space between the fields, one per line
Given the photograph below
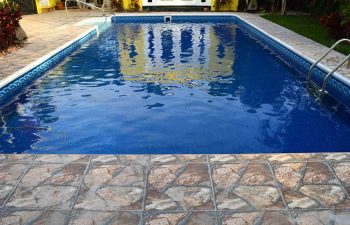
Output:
x=36 y=68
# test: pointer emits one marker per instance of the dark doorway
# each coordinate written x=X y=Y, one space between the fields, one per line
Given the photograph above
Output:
x=27 y=6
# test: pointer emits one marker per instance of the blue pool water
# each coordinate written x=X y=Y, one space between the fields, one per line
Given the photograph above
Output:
x=172 y=88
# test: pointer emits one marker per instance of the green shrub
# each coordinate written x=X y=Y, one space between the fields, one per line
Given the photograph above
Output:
x=10 y=14
x=118 y=5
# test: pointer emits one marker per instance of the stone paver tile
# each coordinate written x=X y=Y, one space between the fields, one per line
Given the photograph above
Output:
x=164 y=159
x=317 y=173
x=222 y=158
x=163 y=176
x=337 y=156
x=251 y=157
x=180 y=198
x=336 y=217
x=226 y=158
x=257 y=174
x=245 y=186
x=117 y=175
x=5 y=191
x=179 y=187
x=342 y=170
x=164 y=218
x=300 y=157
x=312 y=217
x=178 y=158
x=110 y=198
x=112 y=187
x=21 y=158
x=252 y=197
x=192 y=158
x=134 y=159
x=193 y=218
x=227 y=175
x=107 y=218
x=201 y=218
x=276 y=218
x=48 y=158
x=251 y=218
x=341 y=217
x=309 y=185
x=43 y=197
x=34 y=217
x=120 y=159
x=240 y=218
x=52 y=174
x=11 y=172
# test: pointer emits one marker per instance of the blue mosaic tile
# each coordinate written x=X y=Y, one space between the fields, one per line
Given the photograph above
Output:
x=203 y=19
x=11 y=89
x=174 y=19
x=137 y=19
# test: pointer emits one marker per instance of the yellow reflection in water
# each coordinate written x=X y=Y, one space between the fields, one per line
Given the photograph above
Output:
x=173 y=53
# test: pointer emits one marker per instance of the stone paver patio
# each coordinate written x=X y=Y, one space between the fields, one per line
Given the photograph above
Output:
x=168 y=189
x=46 y=32
x=175 y=189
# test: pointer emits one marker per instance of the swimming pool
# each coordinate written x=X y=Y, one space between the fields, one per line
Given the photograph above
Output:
x=195 y=86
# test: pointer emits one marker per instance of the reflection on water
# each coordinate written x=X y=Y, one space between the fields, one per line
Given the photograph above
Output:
x=171 y=88
x=168 y=53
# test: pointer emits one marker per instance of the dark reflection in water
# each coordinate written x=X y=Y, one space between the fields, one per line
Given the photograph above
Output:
x=170 y=88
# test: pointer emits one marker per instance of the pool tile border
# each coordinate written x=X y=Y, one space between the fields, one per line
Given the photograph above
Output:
x=14 y=83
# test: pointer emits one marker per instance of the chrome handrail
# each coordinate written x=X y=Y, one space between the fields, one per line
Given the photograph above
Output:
x=324 y=55
x=332 y=72
x=85 y=3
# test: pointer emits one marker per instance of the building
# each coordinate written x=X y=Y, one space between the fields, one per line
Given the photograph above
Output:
x=42 y=6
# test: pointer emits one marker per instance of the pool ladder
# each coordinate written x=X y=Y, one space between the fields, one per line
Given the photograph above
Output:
x=87 y=4
x=311 y=84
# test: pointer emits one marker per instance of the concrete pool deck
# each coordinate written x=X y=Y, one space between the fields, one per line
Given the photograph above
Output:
x=175 y=189
x=168 y=189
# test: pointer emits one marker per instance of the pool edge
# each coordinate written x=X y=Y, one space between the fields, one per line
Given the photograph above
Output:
x=10 y=85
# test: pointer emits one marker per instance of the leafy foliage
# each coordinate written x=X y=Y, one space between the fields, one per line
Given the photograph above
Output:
x=118 y=5
x=222 y=5
x=338 y=21
x=10 y=15
x=134 y=6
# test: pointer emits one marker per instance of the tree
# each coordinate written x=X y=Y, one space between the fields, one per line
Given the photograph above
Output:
x=283 y=7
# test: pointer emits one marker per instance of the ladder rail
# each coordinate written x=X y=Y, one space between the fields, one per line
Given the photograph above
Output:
x=323 y=56
x=87 y=4
x=325 y=81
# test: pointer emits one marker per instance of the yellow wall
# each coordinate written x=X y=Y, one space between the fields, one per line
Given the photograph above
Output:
x=230 y=6
x=39 y=7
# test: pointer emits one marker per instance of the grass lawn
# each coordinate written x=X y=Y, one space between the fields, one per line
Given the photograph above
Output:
x=308 y=27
